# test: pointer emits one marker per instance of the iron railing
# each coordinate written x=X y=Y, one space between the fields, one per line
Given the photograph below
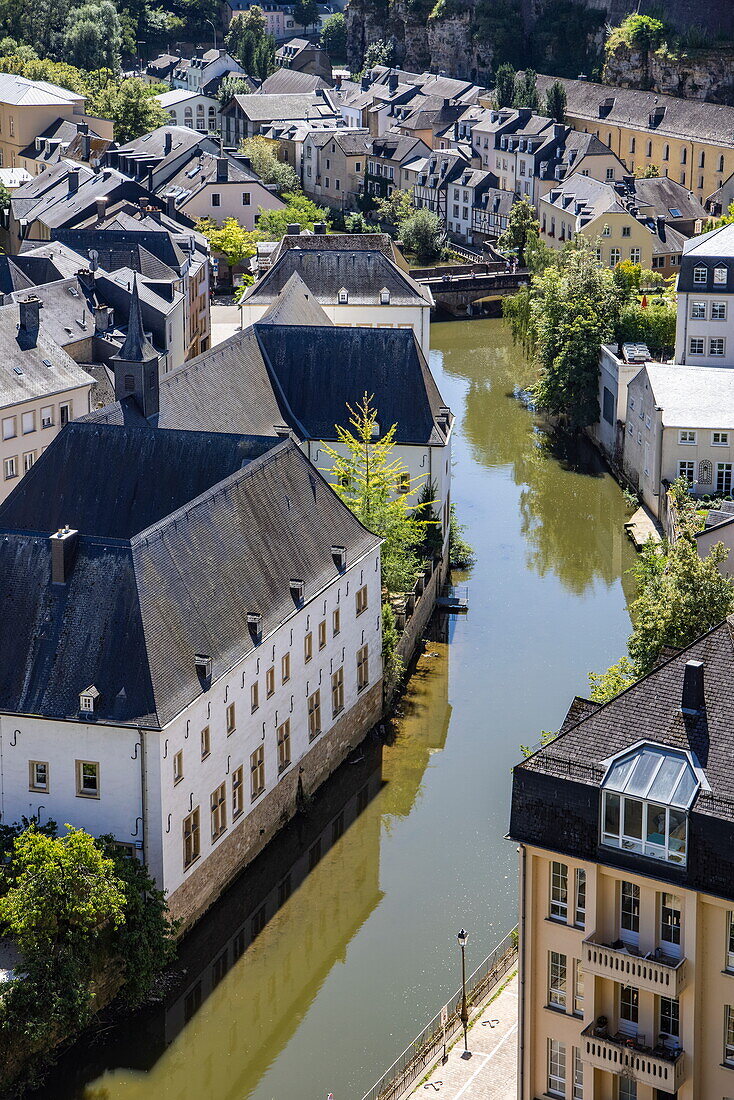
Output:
x=417 y=1057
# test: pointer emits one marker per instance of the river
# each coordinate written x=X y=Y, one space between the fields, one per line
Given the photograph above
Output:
x=357 y=906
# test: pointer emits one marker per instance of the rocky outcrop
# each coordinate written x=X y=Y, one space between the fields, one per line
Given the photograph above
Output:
x=693 y=74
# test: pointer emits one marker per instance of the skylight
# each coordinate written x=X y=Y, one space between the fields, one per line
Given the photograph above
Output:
x=655 y=773
x=675 y=212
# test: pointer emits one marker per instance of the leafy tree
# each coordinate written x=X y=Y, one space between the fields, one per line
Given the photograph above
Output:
x=504 y=91
x=647 y=172
x=723 y=219
x=231 y=240
x=627 y=275
x=273 y=224
x=92 y=36
x=654 y=326
x=247 y=41
x=373 y=485
x=555 y=102
x=526 y=92
x=133 y=108
x=232 y=85
x=423 y=234
x=334 y=35
x=378 y=53
x=264 y=161
x=395 y=208
x=4 y=197
x=357 y=223
x=461 y=555
x=392 y=663
x=306 y=13
x=522 y=226
x=263 y=62
x=637 y=32
x=607 y=685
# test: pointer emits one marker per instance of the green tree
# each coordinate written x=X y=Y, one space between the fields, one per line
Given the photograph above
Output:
x=522 y=228
x=555 y=102
x=504 y=91
x=334 y=35
x=637 y=32
x=233 y=85
x=133 y=108
x=357 y=223
x=423 y=234
x=378 y=53
x=248 y=42
x=526 y=91
x=273 y=224
x=607 y=685
x=264 y=161
x=376 y=487
x=306 y=13
x=654 y=326
x=5 y=197
x=627 y=275
x=230 y=240
x=394 y=208
x=92 y=36
x=647 y=172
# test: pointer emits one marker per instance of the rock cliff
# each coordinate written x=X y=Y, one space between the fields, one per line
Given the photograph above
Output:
x=694 y=74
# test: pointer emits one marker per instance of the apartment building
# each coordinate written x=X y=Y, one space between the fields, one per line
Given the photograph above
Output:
x=334 y=165
x=476 y=208
x=688 y=140
x=247 y=115
x=704 y=333
x=430 y=177
x=303 y=56
x=386 y=161
x=193 y=109
x=205 y=71
x=626 y=904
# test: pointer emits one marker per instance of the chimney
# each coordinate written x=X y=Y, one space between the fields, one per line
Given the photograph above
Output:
x=338 y=81
x=293 y=229
x=558 y=131
x=660 y=223
x=86 y=280
x=73 y=180
x=222 y=167
x=167 y=142
x=30 y=317
x=102 y=318
x=365 y=83
x=319 y=229
x=101 y=204
x=392 y=83
x=693 y=701
x=170 y=201
x=63 y=552
x=82 y=127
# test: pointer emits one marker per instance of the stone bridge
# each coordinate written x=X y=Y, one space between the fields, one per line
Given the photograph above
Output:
x=465 y=290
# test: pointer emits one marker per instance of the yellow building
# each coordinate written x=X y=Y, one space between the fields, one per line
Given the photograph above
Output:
x=690 y=141
x=626 y=846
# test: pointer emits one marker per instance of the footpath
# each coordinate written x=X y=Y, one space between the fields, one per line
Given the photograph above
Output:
x=489 y=1072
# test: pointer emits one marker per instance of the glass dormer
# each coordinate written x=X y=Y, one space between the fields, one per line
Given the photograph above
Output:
x=647 y=792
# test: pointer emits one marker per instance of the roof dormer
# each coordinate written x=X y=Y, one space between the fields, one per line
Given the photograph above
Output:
x=342 y=296
x=88 y=699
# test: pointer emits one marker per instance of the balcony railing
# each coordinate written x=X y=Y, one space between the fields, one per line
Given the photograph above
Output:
x=654 y=1066
x=654 y=973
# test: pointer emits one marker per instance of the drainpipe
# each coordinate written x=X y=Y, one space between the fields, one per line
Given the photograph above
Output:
x=521 y=1002
x=143 y=800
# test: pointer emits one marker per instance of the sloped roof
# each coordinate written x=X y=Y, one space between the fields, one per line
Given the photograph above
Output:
x=34 y=93
x=692 y=397
x=290 y=82
x=264 y=108
x=326 y=271
x=295 y=305
x=42 y=370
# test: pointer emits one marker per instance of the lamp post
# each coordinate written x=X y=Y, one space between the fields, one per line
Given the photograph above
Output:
x=462 y=937
x=215 y=31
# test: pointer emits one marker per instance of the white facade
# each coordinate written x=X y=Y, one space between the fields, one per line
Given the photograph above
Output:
x=704 y=333
x=615 y=375
x=185 y=108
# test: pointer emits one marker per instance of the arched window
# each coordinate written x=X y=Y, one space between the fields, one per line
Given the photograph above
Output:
x=666 y=152
x=702 y=160
x=721 y=163
x=649 y=149
x=705 y=472
x=683 y=155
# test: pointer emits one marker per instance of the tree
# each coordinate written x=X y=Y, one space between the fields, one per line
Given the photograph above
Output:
x=5 y=197
x=306 y=13
x=92 y=36
x=264 y=162
x=647 y=172
x=357 y=223
x=423 y=234
x=526 y=92
x=334 y=35
x=247 y=41
x=376 y=487
x=504 y=91
x=395 y=208
x=231 y=86
x=555 y=102
x=231 y=240
x=637 y=32
x=521 y=227
x=133 y=108
x=273 y=224
x=378 y=53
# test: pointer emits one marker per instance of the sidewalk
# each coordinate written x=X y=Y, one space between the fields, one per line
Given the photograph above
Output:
x=490 y=1073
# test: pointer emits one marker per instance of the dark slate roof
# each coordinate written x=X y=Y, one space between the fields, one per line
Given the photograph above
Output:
x=140 y=602
x=128 y=247
x=295 y=305
x=265 y=108
x=710 y=250
x=346 y=242
x=42 y=369
x=290 y=82
x=136 y=348
x=326 y=271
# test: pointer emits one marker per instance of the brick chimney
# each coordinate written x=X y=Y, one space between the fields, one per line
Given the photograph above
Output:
x=30 y=319
x=73 y=180
x=222 y=169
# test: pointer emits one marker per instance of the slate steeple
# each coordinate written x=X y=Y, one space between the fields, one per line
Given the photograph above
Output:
x=136 y=364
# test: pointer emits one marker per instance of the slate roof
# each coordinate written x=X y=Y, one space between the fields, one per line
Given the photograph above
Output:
x=664 y=195
x=36 y=379
x=346 y=242
x=295 y=305
x=171 y=557
x=351 y=142
x=34 y=93
x=692 y=397
x=325 y=271
x=290 y=82
x=398 y=147
x=192 y=178
x=651 y=710
x=265 y=108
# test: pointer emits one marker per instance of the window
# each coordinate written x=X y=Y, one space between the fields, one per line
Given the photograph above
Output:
x=698 y=311
x=336 y=622
x=28 y=421
x=718 y=311
x=720 y=274
x=231 y=719
x=361 y=600
x=615 y=256
x=246 y=198
x=728 y=1034
x=557 y=979
x=314 y=715
x=216 y=199
x=559 y=891
x=717 y=345
x=580 y=909
x=670 y=924
x=10 y=467
x=218 y=806
x=337 y=691
x=254 y=697
x=578 y=988
x=699 y=275
x=37 y=775
x=337 y=185
x=627 y=1088
x=191 y=838
x=270 y=682
x=284 y=745
x=670 y=1017
x=696 y=345
x=608 y=406
x=723 y=477
x=206 y=746
x=363 y=676
x=557 y=1067
x=87 y=779
x=730 y=940
x=719 y=439
x=578 y=1075
x=237 y=791
x=632 y=145
x=687 y=436
x=635 y=255
x=342 y=296
x=308 y=647
x=28 y=460
x=64 y=413
x=666 y=152
x=629 y=999
x=285 y=668
x=47 y=417
x=9 y=428
x=626 y=231
x=257 y=772
x=629 y=912
x=687 y=470
x=178 y=772
x=358 y=166
x=322 y=634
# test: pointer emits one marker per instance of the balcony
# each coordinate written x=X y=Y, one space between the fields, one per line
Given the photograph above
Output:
x=654 y=1066
x=654 y=972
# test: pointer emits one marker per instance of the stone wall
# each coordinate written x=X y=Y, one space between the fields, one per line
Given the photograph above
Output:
x=693 y=74
x=244 y=841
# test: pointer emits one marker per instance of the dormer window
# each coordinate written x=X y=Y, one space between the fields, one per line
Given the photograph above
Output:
x=343 y=296
x=339 y=554
x=699 y=275
x=720 y=276
x=203 y=664
x=646 y=795
x=297 y=590
x=384 y=297
x=255 y=623
x=88 y=699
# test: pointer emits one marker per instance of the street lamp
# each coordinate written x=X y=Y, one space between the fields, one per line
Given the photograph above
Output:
x=215 y=32
x=462 y=937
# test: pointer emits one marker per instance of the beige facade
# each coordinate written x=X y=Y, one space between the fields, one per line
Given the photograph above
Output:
x=334 y=167
x=619 y=236
x=27 y=428
x=653 y=959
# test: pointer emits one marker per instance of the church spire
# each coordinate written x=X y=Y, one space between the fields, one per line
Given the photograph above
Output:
x=137 y=348
x=136 y=364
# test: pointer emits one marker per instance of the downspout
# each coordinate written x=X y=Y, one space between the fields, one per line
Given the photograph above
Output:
x=521 y=1004
x=143 y=799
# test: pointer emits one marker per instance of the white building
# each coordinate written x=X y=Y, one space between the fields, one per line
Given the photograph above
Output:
x=615 y=374
x=186 y=108
x=704 y=334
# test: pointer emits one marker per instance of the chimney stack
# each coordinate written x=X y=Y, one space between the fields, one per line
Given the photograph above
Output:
x=101 y=204
x=694 y=700
x=366 y=81
x=168 y=142
x=222 y=169
x=63 y=551
x=293 y=229
x=319 y=229
x=170 y=201
x=392 y=83
x=660 y=223
x=73 y=180
x=30 y=319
